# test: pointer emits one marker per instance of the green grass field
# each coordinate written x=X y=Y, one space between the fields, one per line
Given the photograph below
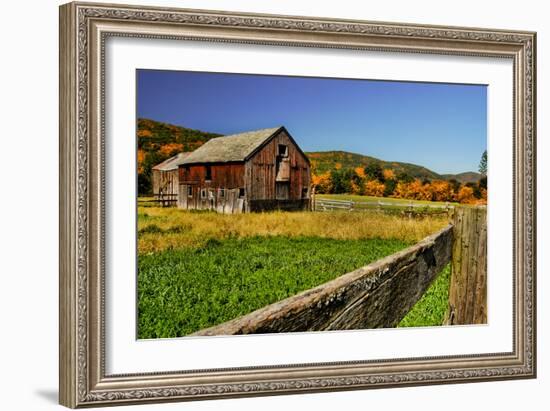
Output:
x=183 y=291
x=430 y=310
x=199 y=269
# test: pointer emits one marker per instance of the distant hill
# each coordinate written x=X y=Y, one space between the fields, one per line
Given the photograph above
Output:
x=323 y=161
x=157 y=141
x=155 y=134
x=467 y=177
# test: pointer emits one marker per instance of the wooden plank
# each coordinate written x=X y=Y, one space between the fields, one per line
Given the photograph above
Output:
x=462 y=242
x=468 y=290
x=471 y=275
x=240 y=206
x=480 y=304
x=375 y=296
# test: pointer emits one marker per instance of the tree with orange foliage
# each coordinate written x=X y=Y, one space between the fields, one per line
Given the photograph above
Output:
x=441 y=191
x=374 y=188
x=388 y=174
x=415 y=190
x=484 y=195
x=144 y=133
x=140 y=160
x=466 y=195
x=360 y=171
x=322 y=183
x=171 y=149
x=425 y=192
x=401 y=190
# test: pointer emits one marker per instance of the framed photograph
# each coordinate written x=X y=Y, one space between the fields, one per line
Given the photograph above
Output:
x=259 y=204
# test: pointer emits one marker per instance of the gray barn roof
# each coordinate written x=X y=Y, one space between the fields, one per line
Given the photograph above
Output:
x=236 y=147
x=172 y=163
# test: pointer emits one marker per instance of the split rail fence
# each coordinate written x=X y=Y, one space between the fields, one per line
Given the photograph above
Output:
x=325 y=204
x=380 y=294
x=166 y=199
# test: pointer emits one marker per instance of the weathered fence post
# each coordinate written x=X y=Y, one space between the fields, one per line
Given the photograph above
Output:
x=468 y=290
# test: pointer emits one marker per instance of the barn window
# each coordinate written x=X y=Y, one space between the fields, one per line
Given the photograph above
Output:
x=189 y=191
x=304 y=192
x=283 y=150
x=208 y=173
x=241 y=192
x=203 y=193
x=222 y=193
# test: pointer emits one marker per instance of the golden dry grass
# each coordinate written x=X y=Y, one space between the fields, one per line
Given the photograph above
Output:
x=170 y=228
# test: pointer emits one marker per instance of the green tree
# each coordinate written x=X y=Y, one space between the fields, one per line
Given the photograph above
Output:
x=404 y=177
x=390 y=187
x=483 y=182
x=483 y=163
x=358 y=180
x=341 y=180
x=145 y=183
x=374 y=171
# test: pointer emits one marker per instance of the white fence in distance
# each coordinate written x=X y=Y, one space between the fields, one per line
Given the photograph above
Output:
x=325 y=204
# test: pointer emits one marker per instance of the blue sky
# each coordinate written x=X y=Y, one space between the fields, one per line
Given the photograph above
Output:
x=440 y=126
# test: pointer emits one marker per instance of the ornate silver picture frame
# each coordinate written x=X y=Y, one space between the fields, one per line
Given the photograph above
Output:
x=84 y=30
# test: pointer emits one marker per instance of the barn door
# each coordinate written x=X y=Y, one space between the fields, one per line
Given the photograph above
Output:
x=282 y=190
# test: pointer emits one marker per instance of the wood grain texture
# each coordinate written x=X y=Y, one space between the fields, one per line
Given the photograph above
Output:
x=165 y=186
x=468 y=291
x=378 y=295
x=68 y=350
x=262 y=170
x=223 y=175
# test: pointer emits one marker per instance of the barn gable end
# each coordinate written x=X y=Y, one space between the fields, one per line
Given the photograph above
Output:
x=278 y=175
x=166 y=180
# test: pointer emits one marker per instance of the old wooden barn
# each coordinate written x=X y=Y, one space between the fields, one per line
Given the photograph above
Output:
x=166 y=180
x=253 y=171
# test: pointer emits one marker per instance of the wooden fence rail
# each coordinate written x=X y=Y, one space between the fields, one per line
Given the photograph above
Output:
x=322 y=204
x=166 y=199
x=377 y=295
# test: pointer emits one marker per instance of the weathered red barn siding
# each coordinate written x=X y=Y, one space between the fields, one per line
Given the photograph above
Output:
x=223 y=175
x=228 y=176
x=260 y=170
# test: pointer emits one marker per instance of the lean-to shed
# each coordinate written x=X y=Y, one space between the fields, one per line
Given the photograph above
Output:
x=166 y=180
